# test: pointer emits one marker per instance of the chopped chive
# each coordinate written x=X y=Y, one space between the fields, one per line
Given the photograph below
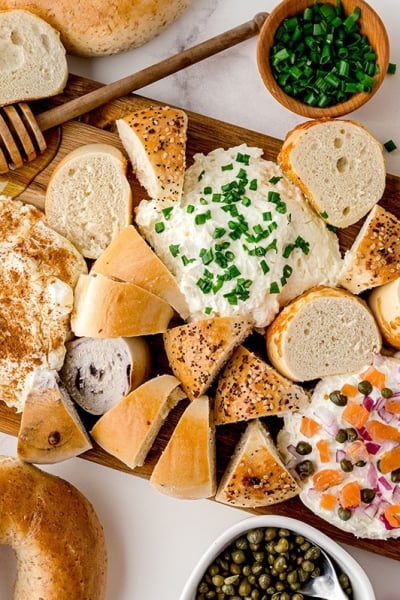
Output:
x=207 y=190
x=321 y=57
x=167 y=212
x=390 y=146
x=275 y=179
x=201 y=218
x=174 y=249
x=208 y=310
x=206 y=255
x=253 y=184
x=243 y=158
x=186 y=261
x=201 y=175
x=391 y=68
x=274 y=288
x=159 y=227
x=265 y=268
x=227 y=167
x=190 y=208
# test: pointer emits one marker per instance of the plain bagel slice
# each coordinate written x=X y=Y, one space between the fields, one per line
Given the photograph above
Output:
x=99 y=27
x=325 y=331
x=187 y=466
x=374 y=257
x=89 y=198
x=130 y=258
x=255 y=475
x=34 y=63
x=55 y=532
x=338 y=165
x=249 y=387
x=128 y=430
x=107 y=308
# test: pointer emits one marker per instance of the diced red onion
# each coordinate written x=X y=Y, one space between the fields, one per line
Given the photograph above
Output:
x=373 y=447
x=327 y=420
x=368 y=403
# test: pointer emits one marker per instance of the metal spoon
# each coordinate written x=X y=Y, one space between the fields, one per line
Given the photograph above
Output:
x=326 y=585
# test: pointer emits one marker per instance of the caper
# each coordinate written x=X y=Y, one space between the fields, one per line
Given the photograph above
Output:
x=280 y=564
x=307 y=566
x=257 y=568
x=218 y=580
x=303 y=448
x=255 y=536
x=344 y=513
x=361 y=463
x=238 y=557
x=304 y=469
x=341 y=436
x=282 y=546
x=338 y=398
x=297 y=597
x=386 y=392
x=367 y=495
x=229 y=589
x=270 y=533
x=352 y=434
x=231 y=579
x=346 y=465
x=264 y=580
x=395 y=476
x=312 y=553
x=242 y=543
x=364 y=387
x=244 y=588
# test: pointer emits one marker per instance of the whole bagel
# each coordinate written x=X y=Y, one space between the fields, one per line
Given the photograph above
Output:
x=103 y=27
x=55 y=533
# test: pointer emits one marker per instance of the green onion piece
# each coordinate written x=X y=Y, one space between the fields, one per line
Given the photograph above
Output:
x=391 y=69
x=174 y=249
x=274 y=288
x=159 y=227
x=390 y=146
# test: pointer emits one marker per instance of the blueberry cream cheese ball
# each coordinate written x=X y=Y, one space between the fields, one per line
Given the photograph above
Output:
x=243 y=239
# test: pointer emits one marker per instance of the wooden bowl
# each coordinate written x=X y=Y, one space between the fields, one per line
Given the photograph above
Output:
x=370 y=25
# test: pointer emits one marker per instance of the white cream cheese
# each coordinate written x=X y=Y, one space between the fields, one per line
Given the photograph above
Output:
x=243 y=240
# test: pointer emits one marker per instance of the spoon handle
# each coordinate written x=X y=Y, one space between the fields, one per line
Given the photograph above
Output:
x=74 y=108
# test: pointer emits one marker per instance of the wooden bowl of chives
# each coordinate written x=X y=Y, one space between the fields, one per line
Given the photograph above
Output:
x=300 y=98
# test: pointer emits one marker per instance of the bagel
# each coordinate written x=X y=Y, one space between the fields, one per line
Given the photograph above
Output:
x=100 y=27
x=56 y=535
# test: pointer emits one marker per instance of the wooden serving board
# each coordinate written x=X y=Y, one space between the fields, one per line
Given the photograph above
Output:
x=204 y=135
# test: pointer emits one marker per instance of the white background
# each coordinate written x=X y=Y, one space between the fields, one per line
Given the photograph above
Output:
x=154 y=541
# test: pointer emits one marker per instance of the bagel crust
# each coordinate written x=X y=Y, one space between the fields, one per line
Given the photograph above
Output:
x=103 y=27
x=55 y=533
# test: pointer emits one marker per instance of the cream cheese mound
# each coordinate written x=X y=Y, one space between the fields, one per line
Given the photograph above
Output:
x=362 y=454
x=243 y=239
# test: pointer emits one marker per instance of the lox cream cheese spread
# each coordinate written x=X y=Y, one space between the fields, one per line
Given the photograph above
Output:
x=344 y=450
x=243 y=239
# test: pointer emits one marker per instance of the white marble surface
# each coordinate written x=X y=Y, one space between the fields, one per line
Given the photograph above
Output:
x=153 y=540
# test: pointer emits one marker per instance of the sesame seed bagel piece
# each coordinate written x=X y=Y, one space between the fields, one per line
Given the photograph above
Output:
x=155 y=141
x=338 y=165
x=374 y=257
x=249 y=387
x=256 y=475
x=55 y=532
x=197 y=351
x=325 y=331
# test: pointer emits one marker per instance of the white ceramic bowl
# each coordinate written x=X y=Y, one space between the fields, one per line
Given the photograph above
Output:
x=362 y=588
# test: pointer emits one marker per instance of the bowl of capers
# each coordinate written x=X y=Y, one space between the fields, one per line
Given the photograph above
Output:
x=271 y=557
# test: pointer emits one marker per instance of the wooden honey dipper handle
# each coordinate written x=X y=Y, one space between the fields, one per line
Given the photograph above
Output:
x=79 y=106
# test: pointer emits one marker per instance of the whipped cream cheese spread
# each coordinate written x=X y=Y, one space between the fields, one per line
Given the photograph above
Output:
x=344 y=450
x=243 y=239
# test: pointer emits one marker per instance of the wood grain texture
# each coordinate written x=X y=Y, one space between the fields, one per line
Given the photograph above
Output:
x=204 y=134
